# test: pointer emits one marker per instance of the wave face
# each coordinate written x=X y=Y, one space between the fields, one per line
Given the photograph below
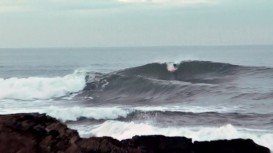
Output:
x=153 y=83
x=32 y=88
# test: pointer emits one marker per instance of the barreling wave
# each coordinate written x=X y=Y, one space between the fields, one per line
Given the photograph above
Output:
x=154 y=83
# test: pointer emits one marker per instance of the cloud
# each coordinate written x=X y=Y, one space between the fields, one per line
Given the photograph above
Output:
x=30 y=5
x=168 y=2
x=56 y=5
x=11 y=5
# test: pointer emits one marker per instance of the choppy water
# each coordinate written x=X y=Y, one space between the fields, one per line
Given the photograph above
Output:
x=216 y=93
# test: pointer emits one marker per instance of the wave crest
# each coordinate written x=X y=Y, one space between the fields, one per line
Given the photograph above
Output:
x=41 y=87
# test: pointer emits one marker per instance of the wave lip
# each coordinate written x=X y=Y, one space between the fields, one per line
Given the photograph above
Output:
x=34 y=88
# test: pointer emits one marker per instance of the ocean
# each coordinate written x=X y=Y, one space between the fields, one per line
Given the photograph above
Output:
x=217 y=92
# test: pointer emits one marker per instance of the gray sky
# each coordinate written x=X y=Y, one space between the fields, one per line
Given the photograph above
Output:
x=87 y=23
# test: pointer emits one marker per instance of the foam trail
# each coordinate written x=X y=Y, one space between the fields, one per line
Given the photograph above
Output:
x=73 y=113
x=40 y=87
x=98 y=113
x=76 y=112
x=125 y=130
x=185 y=108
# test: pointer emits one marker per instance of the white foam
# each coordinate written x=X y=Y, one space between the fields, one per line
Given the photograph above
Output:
x=188 y=108
x=125 y=130
x=175 y=59
x=41 y=87
x=74 y=113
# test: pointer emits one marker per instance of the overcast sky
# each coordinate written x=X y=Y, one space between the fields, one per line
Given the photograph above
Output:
x=88 y=23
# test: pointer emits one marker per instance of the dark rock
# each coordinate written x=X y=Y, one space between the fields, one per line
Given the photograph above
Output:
x=38 y=133
x=34 y=133
x=102 y=145
x=229 y=146
x=160 y=144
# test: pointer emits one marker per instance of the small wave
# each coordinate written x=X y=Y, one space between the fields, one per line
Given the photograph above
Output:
x=97 y=113
x=174 y=117
x=112 y=113
x=125 y=130
x=40 y=87
x=76 y=113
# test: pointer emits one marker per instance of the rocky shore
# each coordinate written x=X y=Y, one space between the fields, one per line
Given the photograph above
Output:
x=38 y=133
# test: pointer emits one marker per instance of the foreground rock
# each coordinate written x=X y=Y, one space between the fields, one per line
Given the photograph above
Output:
x=38 y=133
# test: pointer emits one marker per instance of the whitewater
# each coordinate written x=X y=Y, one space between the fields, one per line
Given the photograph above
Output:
x=32 y=88
x=216 y=92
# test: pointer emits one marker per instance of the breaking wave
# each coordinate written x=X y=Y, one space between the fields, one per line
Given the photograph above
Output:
x=41 y=87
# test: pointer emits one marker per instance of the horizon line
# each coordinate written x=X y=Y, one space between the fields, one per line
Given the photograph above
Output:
x=144 y=46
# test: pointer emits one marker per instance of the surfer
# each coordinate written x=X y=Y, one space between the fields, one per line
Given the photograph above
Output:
x=172 y=68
